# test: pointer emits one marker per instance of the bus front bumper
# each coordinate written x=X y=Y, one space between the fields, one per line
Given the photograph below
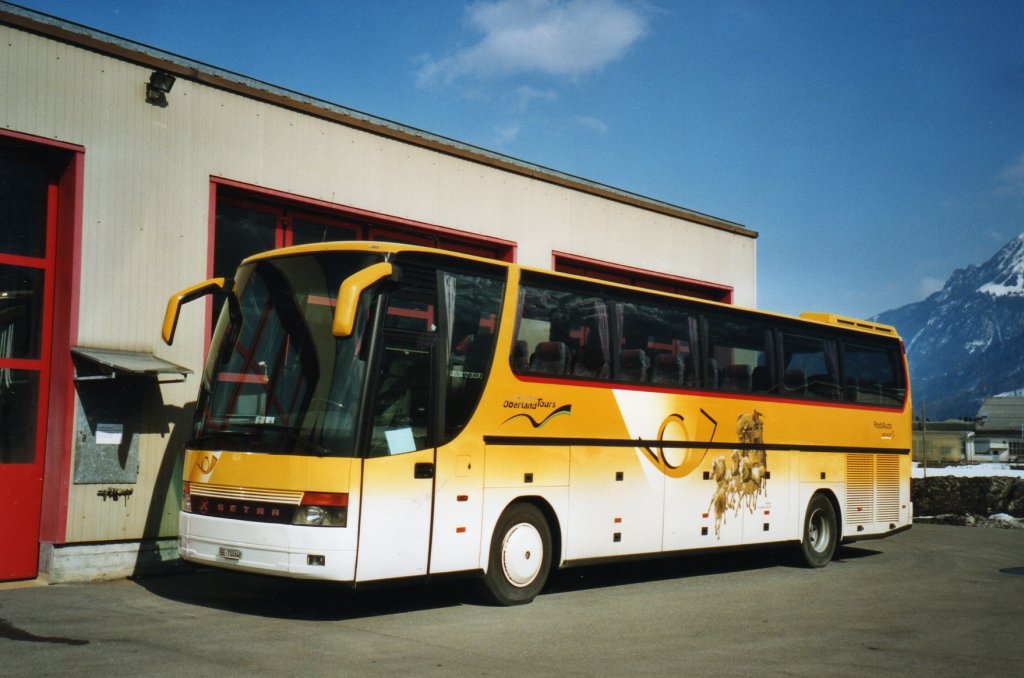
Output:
x=282 y=550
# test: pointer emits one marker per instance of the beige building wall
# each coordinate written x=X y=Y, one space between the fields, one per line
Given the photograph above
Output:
x=943 y=447
x=146 y=209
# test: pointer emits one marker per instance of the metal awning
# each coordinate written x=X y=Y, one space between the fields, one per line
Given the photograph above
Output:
x=127 y=363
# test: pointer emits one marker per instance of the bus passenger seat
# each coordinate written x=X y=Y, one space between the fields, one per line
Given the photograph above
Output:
x=711 y=373
x=633 y=365
x=668 y=369
x=736 y=378
x=870 y=392
x=520 y=356
x=850 y=391
x=794 y=382
x=688 y=372
x=551 y=357
x=761 y=380
x=823 y=386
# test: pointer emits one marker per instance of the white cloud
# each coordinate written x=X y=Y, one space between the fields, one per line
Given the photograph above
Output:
x=1011 y=178
x=526 y=95
x=565 y=38
x=929 y=286
x=506 y=134
x=592 y=124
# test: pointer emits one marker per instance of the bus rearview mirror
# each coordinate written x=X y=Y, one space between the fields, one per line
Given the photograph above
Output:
x=351 y=289
x=214 y=286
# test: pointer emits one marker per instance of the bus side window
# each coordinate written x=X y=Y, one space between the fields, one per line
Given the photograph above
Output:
x=737 y=354
x=811 y=366
x=873 y=375
x=591 y=335
x=472 y=304
x=403 y=396
x=654 y=343
x=567 y=330
x=401 y=411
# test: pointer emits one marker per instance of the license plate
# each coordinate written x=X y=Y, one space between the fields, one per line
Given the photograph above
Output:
x=229 y=553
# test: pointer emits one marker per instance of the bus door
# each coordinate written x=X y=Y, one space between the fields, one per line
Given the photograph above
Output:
x=398 y=471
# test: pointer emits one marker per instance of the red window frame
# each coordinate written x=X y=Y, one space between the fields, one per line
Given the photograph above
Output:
x=357 y=224
x=564 y=262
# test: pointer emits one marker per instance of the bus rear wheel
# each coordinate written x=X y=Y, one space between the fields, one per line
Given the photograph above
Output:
x=820 y=532
x=520 y=556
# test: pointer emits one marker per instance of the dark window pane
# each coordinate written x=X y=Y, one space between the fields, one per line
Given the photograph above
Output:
x=737 y=353
x=810 y=367
x=472 y=304
x=562 y=331
x=19 y=393
x=402 y=406
x=21 y=311
x=874 y=375
x=655 y=343
x=23 y=188
x=401 y=411
x=241 y=231
x=308 y=232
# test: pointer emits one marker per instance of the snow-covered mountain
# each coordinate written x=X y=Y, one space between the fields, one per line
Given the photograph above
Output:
x=966 y=341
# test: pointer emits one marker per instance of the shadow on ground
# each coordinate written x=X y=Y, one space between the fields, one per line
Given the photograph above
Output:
x=283 y=598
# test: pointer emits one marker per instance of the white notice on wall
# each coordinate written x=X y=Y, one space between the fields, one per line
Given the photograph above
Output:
x=109 y=434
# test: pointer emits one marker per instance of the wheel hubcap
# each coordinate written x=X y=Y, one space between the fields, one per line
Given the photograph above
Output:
x=818 y=532
x=522 y=553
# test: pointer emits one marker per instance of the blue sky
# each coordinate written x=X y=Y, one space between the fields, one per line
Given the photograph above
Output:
x=876 y=146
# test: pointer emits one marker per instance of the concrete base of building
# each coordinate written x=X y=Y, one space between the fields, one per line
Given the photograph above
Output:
x=65 y=563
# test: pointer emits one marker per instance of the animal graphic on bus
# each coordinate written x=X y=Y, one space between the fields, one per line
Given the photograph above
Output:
x=742 y=477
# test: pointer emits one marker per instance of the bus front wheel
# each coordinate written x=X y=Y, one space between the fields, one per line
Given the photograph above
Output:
x=520 y=556
x=820 y=532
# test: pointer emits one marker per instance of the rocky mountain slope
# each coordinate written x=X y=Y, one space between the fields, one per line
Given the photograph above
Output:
x=966 y=341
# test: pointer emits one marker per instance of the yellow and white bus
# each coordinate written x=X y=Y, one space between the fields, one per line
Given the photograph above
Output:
x=374 y=411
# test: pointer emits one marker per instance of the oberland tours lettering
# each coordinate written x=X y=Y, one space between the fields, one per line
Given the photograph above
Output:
x=528 y=403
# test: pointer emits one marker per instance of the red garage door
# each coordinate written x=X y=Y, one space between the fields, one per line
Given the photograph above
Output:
x=28 y=217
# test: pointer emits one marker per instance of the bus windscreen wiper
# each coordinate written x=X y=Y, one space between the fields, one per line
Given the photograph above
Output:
x=228 y=433
x=288 y=432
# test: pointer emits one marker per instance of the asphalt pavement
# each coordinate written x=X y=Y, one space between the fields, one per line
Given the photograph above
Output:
x=937 y=600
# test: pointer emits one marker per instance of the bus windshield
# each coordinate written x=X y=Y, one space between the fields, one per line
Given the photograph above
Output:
x=276 y=379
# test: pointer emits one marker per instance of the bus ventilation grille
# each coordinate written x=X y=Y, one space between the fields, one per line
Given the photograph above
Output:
x=872 y=488
x=246 y=493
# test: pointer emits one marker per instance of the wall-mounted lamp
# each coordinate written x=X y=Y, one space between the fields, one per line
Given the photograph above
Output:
x=159 y=85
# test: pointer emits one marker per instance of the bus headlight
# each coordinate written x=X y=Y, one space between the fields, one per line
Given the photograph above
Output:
x=322 y=509
x=186 y=497
x=321 y=516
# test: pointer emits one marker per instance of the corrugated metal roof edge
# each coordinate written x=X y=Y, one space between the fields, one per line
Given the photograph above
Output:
x=180 y=66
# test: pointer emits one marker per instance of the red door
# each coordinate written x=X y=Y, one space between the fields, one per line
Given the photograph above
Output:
x=28 y=218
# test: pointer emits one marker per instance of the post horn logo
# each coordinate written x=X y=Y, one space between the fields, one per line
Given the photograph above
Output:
x=674 y=460
x=206 y=463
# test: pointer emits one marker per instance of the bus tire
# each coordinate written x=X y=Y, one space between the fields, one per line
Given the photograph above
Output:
x=821 y=533
x=520 y=556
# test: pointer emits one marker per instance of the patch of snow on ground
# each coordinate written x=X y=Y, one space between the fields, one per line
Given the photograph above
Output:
x=997 y=290
x=977 y=345
x=1010 y=394
x=974 y=470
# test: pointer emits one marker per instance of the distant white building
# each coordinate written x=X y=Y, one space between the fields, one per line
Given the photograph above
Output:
x=1000 y=430
x=996 y=434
